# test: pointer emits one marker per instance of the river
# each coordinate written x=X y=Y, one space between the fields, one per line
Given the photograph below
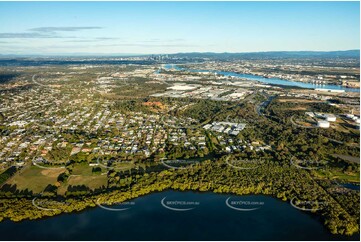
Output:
x=274 y=81
x=206 y=216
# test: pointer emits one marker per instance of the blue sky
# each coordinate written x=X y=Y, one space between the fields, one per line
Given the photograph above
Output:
x=171 y=27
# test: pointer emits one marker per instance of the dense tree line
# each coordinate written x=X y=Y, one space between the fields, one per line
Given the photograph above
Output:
x=7 y=174
x=283 y=181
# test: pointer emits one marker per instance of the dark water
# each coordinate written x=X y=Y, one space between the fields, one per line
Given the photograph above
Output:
x=351 y=186
x=4 y=78
x=275 y=81
x=209 y=219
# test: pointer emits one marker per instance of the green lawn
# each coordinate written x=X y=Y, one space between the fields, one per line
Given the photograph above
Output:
x=335 y=174
x=82 y=169
x=124 y=166
x=35 y=179
x=82 y=175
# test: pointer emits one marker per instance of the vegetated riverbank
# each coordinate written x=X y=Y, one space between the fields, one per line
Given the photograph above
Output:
x=285 y=182
x=198 y=219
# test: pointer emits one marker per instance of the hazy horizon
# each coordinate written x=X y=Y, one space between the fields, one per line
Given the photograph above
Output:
x=142 y=54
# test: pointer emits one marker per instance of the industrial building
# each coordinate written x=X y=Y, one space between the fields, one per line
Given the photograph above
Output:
x=323 y=124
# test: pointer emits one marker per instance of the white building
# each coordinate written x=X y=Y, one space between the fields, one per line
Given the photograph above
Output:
x=311 y=114
x=330 y=117
x=323 y=124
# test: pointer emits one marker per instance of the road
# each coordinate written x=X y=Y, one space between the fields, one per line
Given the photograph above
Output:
x=37 y=83
x=263 y=105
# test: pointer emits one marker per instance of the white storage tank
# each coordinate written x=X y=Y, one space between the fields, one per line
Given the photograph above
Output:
x=330 y=117
x=323 y=124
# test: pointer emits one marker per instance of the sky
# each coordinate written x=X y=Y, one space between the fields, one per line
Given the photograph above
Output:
x=172 y=27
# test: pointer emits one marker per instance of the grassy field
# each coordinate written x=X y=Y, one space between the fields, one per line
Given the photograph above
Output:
x=35 y=179
x=93 y=182
x=334 y=174
x=82 y=174
x=124 y=166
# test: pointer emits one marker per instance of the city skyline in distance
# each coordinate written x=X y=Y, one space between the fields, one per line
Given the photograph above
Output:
x=334 y=53
x=142 y=28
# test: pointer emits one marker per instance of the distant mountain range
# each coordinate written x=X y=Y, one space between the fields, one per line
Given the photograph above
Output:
x=272 y=54
x=212 y=55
